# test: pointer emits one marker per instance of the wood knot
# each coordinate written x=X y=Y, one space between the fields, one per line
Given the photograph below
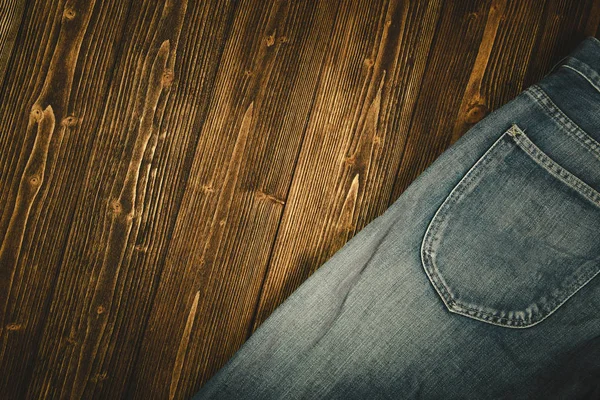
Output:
x=71 y=340
x=35 y=180
x=69 y=121
x=69 y=13
x=208 y=189
x=14 y=327
x=247 y=73
x=167 y=77
x=476 y=113
x=471 y=16
x=116 y=206
x=351 y=160
x=369 y=62
x=100 y=310
x=36 y=113
x=283 y=39
x=376 y=140
x=222 y=222
x=99 y=377
x=270 y=40
x=268 y=197
x=140 y=248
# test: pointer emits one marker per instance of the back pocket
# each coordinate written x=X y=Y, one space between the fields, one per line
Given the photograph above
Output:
x=516 y=237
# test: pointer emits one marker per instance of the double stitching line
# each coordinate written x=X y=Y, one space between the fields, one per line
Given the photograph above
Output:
x=540 y=97
x=583 y=69
x=552 y=166
x=573 y=283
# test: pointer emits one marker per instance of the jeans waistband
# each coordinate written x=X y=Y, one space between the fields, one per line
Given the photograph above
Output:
x=585 y=60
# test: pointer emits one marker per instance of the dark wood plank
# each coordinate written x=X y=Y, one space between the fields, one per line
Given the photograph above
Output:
x=59 y=77
x=129 y=198
x=236 y=193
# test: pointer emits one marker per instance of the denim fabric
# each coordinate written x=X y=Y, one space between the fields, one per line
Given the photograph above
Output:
x=479 y=282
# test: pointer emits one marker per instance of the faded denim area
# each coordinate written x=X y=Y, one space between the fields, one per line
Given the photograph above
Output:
x=479 y=282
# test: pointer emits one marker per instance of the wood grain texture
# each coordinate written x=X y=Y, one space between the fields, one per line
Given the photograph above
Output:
x=11 y=13
x=172 y=170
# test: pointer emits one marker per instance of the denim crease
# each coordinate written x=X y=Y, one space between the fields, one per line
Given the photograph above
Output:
x=478 y=282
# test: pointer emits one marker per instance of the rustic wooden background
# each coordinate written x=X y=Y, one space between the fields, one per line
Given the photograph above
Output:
x=170 y=171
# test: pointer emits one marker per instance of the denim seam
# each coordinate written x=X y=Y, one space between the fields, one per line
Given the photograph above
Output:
x=574 y=286
x=541 y=98
x=571 y=285
x=554 y=168
x=431 y=237
x=583 y=69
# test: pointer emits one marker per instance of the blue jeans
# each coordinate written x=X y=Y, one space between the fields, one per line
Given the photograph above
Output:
x=477 y=283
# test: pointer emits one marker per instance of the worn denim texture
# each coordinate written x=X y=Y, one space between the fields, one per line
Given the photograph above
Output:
x=479 y=282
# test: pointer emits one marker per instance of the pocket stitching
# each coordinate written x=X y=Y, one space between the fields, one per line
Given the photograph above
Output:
x=553 y=167
x=539 y=96
x=431 y=237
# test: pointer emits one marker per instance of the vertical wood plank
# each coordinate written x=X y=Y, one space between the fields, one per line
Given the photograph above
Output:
x=44 y=114
x=235 y=196
x=129 y=196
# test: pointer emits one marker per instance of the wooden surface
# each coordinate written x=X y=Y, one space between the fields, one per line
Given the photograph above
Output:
x=170 y=171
